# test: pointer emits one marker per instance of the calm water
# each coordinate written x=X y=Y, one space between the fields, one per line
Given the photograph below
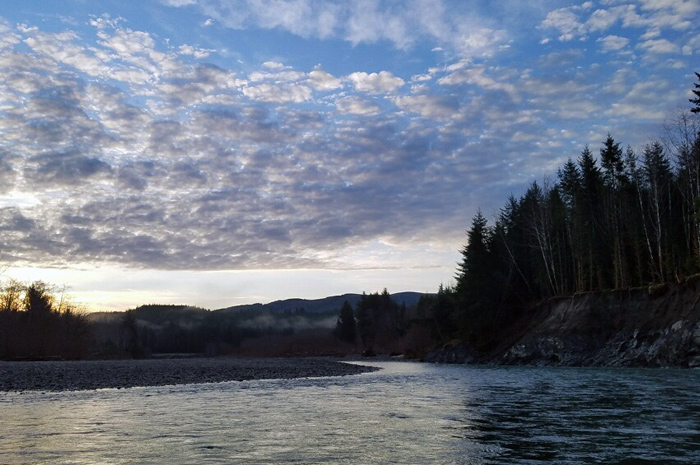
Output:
x=406 y=414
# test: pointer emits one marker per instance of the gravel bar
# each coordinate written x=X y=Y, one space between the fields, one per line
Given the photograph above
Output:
x=98 y=374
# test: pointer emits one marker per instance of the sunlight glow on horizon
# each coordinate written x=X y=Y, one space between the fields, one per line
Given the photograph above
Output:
x=118 y=289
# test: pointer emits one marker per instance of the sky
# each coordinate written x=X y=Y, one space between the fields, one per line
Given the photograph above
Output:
x=224 y=152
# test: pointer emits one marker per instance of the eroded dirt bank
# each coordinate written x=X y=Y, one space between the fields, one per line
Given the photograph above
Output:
x=657 y=326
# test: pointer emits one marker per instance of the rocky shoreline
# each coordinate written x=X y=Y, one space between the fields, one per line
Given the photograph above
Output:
x=99 y=374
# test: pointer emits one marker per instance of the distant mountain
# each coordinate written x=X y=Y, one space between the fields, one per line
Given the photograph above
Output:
x=325 y=305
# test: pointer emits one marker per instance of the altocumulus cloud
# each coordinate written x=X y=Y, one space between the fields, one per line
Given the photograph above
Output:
x=135 y=151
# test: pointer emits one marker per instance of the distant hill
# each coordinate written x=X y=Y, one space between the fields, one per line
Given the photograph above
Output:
x=290 y=312
x=325 y=305
x=155 y=314
x=180 y=329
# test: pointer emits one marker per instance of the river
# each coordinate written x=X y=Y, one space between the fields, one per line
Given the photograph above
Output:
x=407 y=413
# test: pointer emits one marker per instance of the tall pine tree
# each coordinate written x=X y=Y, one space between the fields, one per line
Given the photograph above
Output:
x=696 y=101
x=475 y=290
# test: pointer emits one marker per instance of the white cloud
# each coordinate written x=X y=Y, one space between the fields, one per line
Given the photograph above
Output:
x=8 y=37
x=680 y=7
x=428 y=106
x=422 y=77
x=480 y=41
x=356 y=106
x=621 y=81
x=135 y=47
x=277 y=75
x=566 y=21
x=653 y=15
x=274 y=65
x=403 y=24
x=651 y=33
x=602 y=20
x=375 y=83
x=659 y=46
x=196 y=52
x=477 y=76
x=613 y=43
x=61 y=49
x=323 y=80
x=693 y=44
x=106 y=22
x=178 y=3
x=645 y=100
x=278 y=93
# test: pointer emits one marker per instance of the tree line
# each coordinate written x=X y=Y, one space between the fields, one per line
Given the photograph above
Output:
x=616 y=219
x=37 y=322
x=377 y=321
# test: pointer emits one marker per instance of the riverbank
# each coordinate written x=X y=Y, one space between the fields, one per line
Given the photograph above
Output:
x=656 y=326
x=99 y=374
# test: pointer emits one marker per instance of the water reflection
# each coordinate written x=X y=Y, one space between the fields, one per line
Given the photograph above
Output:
x=583 y=416
x=407 y=413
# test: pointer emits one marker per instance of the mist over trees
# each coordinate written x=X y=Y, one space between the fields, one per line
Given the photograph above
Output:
x=180 y=329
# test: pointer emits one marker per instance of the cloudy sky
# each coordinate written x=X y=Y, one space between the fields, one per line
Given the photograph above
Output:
x=219 y=152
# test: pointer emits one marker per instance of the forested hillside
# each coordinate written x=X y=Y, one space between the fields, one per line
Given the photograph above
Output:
x=611 y=218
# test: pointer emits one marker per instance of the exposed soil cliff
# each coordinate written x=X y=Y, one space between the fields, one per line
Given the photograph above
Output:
x=657 y=326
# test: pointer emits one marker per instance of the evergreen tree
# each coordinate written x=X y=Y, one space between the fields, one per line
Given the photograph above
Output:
x=378 y=321
x=591 y=221
x=38 y=299
x=612 y=163
x=614 y=180
x=475 y=288
x=443 y=313
x=569 y=183
x=346 y=327
x=696 y=101
x=570 y=186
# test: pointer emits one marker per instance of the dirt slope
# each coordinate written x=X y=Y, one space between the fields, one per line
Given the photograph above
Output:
x=656 y=326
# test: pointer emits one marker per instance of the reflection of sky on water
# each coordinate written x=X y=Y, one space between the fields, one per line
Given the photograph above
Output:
x=407 y=413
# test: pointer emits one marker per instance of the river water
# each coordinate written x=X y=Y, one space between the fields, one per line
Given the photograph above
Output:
x=405 y=414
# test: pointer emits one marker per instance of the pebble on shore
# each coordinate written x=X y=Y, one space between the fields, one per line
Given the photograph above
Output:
x=99 y=374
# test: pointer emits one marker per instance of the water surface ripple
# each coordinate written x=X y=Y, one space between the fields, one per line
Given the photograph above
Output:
x=407 y=413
